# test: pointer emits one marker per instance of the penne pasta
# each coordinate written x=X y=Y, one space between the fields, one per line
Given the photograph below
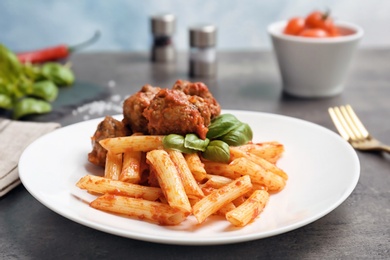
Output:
x=143 y=143
x=270 y=151
x=191 y=187
x=222 y=169
x=169 y=179
x=113 y=166
x=249 y=209
x=258 y=174
x=220 y=197
x=152 y=211
x=131 y=167
x=216 y=181
x=237 y=153
x=101 y=185
x=225 y=208
x=196 y=166
x=145 y=181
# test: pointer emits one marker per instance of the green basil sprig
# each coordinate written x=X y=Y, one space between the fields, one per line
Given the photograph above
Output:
x=176 y=142
x=224 y=131
x=221 y=125
x=192 y=141
x=217 y=151
x=228 y=128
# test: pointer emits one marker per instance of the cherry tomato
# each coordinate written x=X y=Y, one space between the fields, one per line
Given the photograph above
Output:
x=314 y=33
x=315 y=19
x=333 y=32
x=295 y=26
x=320 y=20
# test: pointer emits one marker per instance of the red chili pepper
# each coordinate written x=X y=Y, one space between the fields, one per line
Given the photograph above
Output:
x=53 y=53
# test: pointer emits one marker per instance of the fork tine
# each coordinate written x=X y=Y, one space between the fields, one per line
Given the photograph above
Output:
x=359 y=125
x=350 y=121
x=340 y=123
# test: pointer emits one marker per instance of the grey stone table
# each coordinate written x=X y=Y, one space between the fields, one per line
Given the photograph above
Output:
x=358 y=229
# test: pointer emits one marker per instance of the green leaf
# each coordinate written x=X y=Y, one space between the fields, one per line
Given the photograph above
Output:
x=10 y=67
x=176 y=142
x=58 y=73
x=221 y=125
x=20 y=81
x=32 y=72
x=29 y=106
x=192 y=141
x=239 y=135
x=217 y=151
x=5 y=89
x=46 y=90
x=5 y=101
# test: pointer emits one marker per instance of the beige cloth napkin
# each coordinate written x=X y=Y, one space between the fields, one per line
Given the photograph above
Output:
x=15 y=136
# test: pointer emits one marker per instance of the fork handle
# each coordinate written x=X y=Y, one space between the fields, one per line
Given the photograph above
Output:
x=385 y=148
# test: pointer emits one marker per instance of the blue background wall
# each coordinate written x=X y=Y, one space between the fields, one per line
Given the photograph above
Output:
x=124 y=24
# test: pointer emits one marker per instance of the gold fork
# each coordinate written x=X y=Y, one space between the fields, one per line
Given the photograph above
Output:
x=352 y=130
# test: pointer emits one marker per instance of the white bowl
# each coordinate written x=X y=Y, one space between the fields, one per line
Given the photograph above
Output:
x=314 y=67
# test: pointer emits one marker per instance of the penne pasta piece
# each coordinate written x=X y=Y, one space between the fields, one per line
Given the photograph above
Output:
x=237 y=202
x=248 y=210
x=113 y=166
x=152 y=211
x=222 y=169
x=143 y=143
x=196 y=166
x=103 y=185
x=220 y=197
x=237 y=153
x=270 y=151
x=131 y=167
x=256 y=186
x=169 y=179
x=225 y=208
x=258 y=174
x=190 y=185
x=216 y=181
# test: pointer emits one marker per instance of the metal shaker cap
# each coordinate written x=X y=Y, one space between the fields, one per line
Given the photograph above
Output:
x=203 y=36
x=163 y=24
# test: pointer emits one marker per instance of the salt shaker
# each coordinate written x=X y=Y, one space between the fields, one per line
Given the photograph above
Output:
x=163 y=28
x=203 y=57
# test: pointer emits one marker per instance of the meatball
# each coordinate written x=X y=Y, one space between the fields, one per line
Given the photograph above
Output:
x=171 y=112
x=201 y=90
x=109 y=127
x=134 y=106
x=203 y=108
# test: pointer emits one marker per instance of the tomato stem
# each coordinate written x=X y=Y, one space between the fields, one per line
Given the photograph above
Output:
x=326 y=14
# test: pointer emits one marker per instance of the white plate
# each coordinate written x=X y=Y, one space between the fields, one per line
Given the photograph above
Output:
x=323 y=170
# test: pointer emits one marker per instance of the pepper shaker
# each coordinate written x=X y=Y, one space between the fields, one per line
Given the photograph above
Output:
x=203 y=57
x=163 y=28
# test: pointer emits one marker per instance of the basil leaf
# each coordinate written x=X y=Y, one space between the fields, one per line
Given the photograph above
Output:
x=217 y=151
x=176 y=142
x=239 y=135
x=46 y=90
x=192 y=141
x=221 y=125
x=29 y=106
